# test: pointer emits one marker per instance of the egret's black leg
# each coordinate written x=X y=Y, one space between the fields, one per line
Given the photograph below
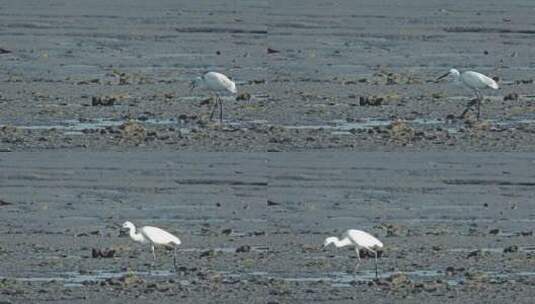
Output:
x=358 y=262
x=174 y=261
x=479 y=100
x=153 y=257
x=376 y=271
x=214 y=107
x=220 y=111
x=468 y=107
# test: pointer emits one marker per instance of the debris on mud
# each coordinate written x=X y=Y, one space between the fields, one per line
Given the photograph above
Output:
x=477 y=126
x=474 y=253
x=208 y=253
x=243 y=249
x=243 y=96
x=371 y=100
x=102 y=253
x=132 y=131
x=103 y=101
x=495 y=231
x=395 y=230
x=11 y=134
x=451 y=271
x=378 y=100
x=477 y=276
x=399 y=280
x=511 y=96
x=401 y=131
x=272 y=203
x=510 y=249
x=126 y=280
x=391 y=78
x=272 y=51
x=4 y=203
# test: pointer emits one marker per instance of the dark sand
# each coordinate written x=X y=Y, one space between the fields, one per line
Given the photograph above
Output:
x=458 y=225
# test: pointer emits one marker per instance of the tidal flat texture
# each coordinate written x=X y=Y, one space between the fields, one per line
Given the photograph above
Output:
x=457 y=227
x=311 y=75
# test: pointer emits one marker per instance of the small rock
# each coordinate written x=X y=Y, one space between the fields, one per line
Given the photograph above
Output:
x=102 y=253
x=103 y=100
x=395 y=230
x=371 y=100
x=494 y=231
x=243 y=96
x=272 y=203
x=398 y=280
x=511 y=96
x=4 y=203
x=244 y=248
x=272 y=51
x=476 y=276
x=130 y=279
x=227 y=231
x=400 y=130
x=208 y=253
x=132 y=130
x=474 y=253
x=510 y=249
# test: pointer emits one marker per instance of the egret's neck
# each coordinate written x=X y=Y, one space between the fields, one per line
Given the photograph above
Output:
x=138 y=237
x=342 y=243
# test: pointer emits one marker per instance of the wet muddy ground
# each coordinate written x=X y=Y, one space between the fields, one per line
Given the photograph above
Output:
x=86 y=78
x=457 y=227
x=74 y=73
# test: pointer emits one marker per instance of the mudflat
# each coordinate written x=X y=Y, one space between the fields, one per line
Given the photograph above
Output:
x=345 y=91
x=310 y=75
x=457 y=227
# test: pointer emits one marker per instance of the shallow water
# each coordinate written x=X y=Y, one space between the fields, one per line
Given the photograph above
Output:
x=335 y=279
x=337 y=127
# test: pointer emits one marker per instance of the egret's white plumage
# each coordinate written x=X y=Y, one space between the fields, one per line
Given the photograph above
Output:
x=474 y=81
x=217 y=83
x=153 y=236
x=358 y=238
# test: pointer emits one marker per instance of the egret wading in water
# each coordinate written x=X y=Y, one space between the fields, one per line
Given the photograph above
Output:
x=472 y=80
x=216 y=83
x=359 y=239
x=153 y=236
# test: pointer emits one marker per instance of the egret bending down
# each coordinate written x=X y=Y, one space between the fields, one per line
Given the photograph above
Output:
x=359 y=239
x=217 y=83
x=475 y=81
x=153 y=236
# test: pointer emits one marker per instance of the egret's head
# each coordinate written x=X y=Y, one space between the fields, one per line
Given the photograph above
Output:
x=453 y=74
x=233 y=89
x=128 y=225
x=195 y=83
x=329 y=240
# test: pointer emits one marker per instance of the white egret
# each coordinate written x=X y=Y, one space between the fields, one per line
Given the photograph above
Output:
x=216 y=83
x=153 y=236
x=474 y=81
x=359 y=239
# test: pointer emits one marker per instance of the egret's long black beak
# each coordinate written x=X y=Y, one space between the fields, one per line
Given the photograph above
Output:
x=443 y=76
